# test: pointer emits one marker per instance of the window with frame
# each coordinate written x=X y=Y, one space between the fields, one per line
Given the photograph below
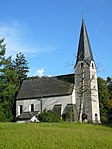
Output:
x=32 y=107
x=92 y=66
x=20 y=109
x=57 y=109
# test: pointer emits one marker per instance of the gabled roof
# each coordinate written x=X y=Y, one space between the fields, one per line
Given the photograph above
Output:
x=46 y=87
x=84 y=48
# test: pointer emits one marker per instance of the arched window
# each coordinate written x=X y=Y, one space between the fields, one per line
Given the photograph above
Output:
x=82 y=64
x=96 y=117
x=92 y=66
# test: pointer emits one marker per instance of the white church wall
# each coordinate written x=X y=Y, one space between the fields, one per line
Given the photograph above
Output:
x=94 y=94
x=47 y=103
x=26 y=104
x=73 y=96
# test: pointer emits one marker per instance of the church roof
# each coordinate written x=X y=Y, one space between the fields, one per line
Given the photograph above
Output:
x=26 y=115
x=84 y=48
x=46 y=87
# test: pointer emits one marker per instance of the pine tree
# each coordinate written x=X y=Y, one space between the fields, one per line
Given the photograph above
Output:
x=2 y=53
x=2 y=64
x=109 y=102
x=105 y=97
x=21 y=66
x=8 y=85
x=11 y=87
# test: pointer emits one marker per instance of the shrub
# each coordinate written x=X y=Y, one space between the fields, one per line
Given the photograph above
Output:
x=49 y=116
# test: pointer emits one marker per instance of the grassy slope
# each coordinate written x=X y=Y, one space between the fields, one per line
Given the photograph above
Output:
x=54 y=136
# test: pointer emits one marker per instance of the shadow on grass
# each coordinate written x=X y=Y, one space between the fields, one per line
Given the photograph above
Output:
x=107 y=125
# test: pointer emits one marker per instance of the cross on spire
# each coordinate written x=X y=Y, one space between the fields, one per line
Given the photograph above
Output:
x=82 y=14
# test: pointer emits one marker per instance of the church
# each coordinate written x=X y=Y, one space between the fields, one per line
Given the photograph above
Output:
x=73 y=96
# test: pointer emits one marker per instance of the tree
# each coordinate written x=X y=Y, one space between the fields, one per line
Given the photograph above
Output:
x=8 y=85
x=11 y=76
x=109 y=86
x=11 y=87
x=2 y=57
x=2 y=61
x=49 y=116
x=21 y=66
x=109 y=102
x=105 y=97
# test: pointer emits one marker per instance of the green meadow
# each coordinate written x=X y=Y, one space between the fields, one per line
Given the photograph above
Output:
x=55 y=136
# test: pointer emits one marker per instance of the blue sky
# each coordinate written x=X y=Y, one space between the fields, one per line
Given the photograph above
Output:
x=47 y=33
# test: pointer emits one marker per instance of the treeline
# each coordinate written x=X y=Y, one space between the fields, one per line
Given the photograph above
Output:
x=105 y=99
x=13 y=72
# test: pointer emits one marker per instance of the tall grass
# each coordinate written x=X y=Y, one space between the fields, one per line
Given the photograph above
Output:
x=54 y=136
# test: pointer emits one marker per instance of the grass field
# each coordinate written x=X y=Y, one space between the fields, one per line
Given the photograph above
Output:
x=54 y=136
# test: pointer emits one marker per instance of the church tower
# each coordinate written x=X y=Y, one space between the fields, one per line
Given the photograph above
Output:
x=86 y=91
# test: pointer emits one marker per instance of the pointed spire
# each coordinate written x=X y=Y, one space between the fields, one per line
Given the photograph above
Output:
x=84 y=49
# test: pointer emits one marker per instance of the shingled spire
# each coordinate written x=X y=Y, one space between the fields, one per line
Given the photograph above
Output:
x=84 y=49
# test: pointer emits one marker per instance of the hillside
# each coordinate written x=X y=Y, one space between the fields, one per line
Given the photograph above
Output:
x=55 y=136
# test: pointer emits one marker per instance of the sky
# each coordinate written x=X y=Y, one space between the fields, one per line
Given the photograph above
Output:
x=47 y=33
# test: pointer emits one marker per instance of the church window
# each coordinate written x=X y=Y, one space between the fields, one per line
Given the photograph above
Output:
x=20 y=109
x=31 y=107
x=57 y=109
x=82 y=64
x=92 y=66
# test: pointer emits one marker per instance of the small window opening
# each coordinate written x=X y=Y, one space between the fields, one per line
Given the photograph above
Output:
x=82 y=65
x=32 y=107
x=96 y=117
x=21 y=109
x=92 y=65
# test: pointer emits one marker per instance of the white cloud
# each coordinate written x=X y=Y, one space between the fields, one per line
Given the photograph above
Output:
x=37 y=72
x=49 y=75
x=40 y=72
x=15 y=34
x=18 y=39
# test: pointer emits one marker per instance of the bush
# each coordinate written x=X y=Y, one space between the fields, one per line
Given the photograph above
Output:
x=49 y=116
x=69 y=116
